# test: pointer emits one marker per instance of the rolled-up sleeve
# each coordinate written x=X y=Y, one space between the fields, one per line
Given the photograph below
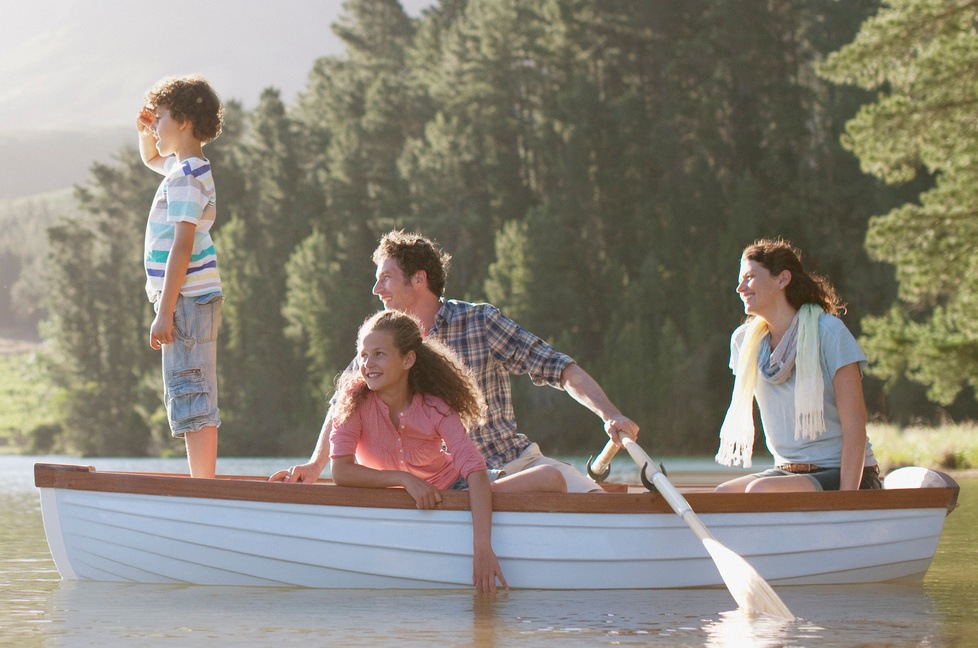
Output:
x=522 y=352
x=344 y=438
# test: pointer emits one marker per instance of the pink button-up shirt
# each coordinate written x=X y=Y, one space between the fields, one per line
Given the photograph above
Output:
x=415 y=446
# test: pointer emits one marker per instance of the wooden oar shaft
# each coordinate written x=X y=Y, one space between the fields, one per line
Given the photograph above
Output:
x=744 y=583
x=668 y=491
x=601 y=463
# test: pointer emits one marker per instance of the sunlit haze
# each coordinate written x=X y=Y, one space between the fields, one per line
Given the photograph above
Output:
x=77 y=64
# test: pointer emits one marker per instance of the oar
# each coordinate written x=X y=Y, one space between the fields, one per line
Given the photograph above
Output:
x=598 y=468
x=751 y=592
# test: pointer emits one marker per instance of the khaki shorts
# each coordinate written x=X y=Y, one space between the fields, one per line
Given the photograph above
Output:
x=577 y=482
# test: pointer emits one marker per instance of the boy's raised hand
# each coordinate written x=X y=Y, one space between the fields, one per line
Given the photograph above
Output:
x=144 y=122
x=147 y=143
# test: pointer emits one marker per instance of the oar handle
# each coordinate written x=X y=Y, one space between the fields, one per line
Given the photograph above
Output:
x=598 y=468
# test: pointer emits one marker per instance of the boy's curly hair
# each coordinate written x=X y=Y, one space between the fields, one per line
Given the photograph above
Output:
x=190 y=98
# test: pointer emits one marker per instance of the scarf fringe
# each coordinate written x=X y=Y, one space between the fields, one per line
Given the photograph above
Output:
x=737 y=431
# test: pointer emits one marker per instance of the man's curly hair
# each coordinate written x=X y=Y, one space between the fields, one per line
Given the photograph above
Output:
x=190 y=98
x=414 y=252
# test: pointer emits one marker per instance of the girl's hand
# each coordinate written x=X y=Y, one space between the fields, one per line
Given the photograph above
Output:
x=486 y=570
x=306 y=473
x=425 y=495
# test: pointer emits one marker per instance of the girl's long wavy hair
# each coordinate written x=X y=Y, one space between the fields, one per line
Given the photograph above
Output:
x=437 y=371
x=778 y=255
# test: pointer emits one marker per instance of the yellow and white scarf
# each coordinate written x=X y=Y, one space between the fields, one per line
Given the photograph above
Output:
x=797 y=350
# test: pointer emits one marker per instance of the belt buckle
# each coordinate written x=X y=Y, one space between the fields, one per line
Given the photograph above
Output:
x=799 y=468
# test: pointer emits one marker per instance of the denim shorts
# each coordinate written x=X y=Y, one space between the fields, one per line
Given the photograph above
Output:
x=829 y=478
x=190 y=364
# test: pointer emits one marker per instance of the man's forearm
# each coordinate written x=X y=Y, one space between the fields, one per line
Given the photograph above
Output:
x=586 y=391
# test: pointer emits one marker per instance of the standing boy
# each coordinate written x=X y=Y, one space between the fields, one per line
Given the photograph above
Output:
x=180 y=115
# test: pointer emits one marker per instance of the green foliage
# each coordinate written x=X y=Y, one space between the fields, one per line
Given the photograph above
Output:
x=324 y=307
x=509 y=281
x=25 y=399
x=98 y=315
x=267 y=220
x=922 y=58
x=593 y=168
x=23 y=248
x=946 y=447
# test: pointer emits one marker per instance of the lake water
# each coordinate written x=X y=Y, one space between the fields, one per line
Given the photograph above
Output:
x=38 y=609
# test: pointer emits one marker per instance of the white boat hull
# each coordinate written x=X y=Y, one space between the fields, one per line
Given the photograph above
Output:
x=162 y=538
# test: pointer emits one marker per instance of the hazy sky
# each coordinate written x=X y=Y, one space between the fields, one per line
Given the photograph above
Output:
x=72 y=64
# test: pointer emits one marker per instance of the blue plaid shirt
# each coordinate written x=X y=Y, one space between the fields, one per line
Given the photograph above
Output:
x=493 y=347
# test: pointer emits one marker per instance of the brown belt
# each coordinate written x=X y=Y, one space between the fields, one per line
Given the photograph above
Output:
x=799 y=468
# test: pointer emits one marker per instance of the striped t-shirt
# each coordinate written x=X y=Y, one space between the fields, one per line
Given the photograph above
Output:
x=185 y=195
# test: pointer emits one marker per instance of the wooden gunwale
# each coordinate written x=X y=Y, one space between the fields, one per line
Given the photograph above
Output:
x=325 y=493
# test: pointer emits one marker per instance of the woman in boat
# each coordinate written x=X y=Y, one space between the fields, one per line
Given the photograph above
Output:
x=804 y=367
x=391 y=417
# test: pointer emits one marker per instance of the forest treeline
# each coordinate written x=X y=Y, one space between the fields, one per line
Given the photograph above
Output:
x=594 y=168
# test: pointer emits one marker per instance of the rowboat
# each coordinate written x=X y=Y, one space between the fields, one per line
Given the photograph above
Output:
x=232 y=530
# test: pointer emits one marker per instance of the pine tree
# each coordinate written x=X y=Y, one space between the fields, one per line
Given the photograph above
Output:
x=921 y=57
x=262 y=389
x=99 y=316
x=356 y=112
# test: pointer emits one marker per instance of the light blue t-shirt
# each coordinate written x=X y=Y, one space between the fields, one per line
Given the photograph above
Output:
x=837 y=348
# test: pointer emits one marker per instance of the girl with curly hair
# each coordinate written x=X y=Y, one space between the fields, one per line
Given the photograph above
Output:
x=392 y=415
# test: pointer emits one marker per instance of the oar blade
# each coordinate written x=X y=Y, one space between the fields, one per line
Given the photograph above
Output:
x=751 y=592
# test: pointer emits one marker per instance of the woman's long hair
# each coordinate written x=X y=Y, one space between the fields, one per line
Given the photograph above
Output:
x=437 y=371
x=778 y=255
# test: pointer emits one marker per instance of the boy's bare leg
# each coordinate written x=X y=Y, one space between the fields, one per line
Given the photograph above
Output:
x=202 y=451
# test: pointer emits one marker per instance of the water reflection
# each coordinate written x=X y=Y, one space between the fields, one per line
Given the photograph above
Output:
x=736 y=629
x=85 y=613
x=835 y=615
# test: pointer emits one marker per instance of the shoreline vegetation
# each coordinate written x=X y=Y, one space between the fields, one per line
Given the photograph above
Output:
x=25 y=427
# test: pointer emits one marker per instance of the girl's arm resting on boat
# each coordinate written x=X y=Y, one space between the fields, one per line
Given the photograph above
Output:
x=848 y=387
x=485 y=565
x=310 y=471
x=346 y=472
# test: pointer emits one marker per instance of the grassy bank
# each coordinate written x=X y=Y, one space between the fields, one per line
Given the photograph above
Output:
x=952 y=446
x=26 y=399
